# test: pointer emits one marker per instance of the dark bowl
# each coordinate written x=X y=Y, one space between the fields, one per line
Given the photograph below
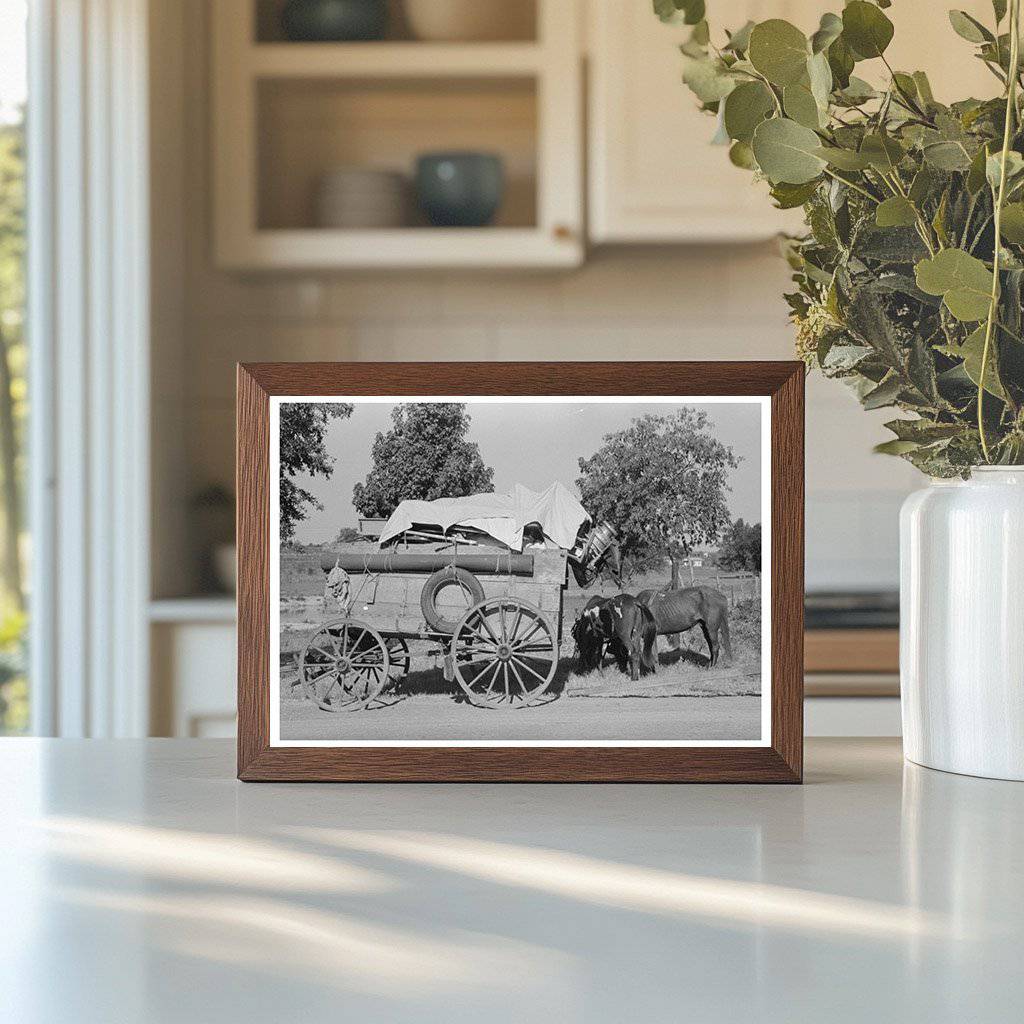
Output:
x=460 y=189
x=334 y=21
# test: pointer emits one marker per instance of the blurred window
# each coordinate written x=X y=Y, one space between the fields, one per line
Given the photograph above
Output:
x=14 y=539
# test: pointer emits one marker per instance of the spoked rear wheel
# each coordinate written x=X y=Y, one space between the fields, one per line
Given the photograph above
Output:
x=344 y=666
x=505 y=653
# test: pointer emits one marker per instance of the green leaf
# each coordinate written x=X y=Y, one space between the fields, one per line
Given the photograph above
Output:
x=895 y=447
x=693 y=10
x=840 y=61
x=971 y=352
x=922 y=185
x=788 y=197
x=739 y=41
x=947 y=156
x=701 y=34
x=801 y=106
x=1012 y=224
x=707 y=78
x=857 y=91
x=844 y=159
x=787 y=152
x=976 y=173
x=924 y=88
x=666 y=10
x=866 y=29
x=993 y=167
x=963 y=281
x=819 y=74
x=883 y=152
x=779 y=51
x=741 y=155
x=895 y=212
x=690 y=12
x=885 y=394
x=939 y=220
x=969 y=28
x=829 y=30
x=922 y=431
x=745 y=108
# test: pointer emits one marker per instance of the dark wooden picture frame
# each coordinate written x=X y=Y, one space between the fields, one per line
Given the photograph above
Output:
x=781 y=761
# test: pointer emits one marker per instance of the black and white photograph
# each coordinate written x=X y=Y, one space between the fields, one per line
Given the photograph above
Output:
x=460 y=571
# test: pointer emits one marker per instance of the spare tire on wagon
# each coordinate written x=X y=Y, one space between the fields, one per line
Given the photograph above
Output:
x=443 y=579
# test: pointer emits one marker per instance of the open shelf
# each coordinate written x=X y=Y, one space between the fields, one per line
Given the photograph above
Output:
x=388 y=60
x=308 y=127
x=520 y=24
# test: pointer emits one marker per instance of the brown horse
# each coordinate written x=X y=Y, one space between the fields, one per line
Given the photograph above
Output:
x=676 y=611
x=623 y=626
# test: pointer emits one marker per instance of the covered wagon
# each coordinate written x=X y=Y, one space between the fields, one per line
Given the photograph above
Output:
x=478 y=579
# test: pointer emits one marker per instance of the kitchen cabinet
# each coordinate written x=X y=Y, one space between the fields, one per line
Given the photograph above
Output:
x=654 y=177
x=287 y=114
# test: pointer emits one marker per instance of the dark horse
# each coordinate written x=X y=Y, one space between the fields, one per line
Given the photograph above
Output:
x=621 y=625
x=676 y=611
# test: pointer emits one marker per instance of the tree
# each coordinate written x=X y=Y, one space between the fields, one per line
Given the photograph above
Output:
x=741 y=547
x=424 y=455
x=303 y=429
x=662 y=484
x=12 y=349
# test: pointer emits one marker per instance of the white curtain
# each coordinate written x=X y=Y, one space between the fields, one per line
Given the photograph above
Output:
x=88 y=386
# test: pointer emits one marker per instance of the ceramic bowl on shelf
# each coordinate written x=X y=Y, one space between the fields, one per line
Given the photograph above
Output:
x=334 y=21
x=470 y=20
x=362 y=197
x=460 y=189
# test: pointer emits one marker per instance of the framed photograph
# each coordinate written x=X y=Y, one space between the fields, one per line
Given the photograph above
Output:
x=579 y=572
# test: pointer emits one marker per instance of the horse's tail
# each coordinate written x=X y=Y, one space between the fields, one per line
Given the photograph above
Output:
x=649 y=638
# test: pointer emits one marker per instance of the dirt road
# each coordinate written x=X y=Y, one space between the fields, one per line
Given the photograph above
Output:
x=439 y=717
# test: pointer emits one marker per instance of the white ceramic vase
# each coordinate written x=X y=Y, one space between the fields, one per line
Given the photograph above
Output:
x=962 y=624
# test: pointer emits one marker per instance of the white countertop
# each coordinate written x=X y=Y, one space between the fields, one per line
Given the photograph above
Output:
x=140 y=882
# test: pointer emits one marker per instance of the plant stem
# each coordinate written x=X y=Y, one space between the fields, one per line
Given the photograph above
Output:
x=853 y=185
x=1011 y=109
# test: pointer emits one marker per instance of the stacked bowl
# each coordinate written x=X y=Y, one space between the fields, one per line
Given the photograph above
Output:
x=362 y=197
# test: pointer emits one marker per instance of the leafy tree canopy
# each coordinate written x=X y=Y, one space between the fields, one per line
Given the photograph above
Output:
x=741 y=547
x=662 y=483
x=303 y=452
x=425 y=455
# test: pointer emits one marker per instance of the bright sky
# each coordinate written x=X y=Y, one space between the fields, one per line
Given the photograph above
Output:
x=13 y=57
x=531 y=444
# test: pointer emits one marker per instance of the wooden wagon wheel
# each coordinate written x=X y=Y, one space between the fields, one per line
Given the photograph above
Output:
x=344 y=666
x=398 y=653
x=504 y=652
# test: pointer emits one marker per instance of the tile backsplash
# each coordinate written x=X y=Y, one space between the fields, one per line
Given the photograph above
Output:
x=713 y=303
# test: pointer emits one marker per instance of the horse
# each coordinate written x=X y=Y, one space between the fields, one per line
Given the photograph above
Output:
x=625 y=627
x=589 y=637
x=676 y=611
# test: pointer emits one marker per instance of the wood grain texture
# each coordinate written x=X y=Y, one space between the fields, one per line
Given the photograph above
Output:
x=780 y=762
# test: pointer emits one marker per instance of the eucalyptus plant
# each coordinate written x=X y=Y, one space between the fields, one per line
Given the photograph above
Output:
x=910 y=278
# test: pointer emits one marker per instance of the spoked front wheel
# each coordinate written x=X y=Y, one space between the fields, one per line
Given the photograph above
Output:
x=505 y=653
x=344 y=666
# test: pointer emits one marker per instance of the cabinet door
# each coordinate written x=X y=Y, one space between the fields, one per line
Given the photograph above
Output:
x=654 y=177
x=653 y=174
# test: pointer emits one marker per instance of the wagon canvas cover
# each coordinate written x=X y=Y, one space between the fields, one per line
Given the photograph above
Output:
x=503 y=516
